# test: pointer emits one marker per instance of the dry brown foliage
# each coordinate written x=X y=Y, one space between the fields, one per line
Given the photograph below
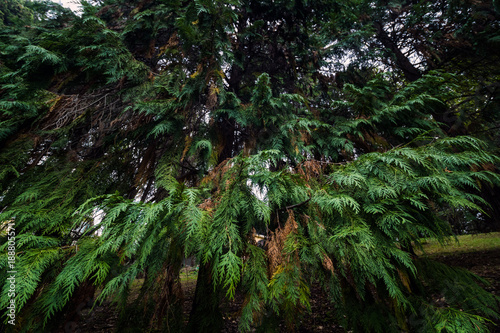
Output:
x=217 y=173
x=276 y=243
x=207 y=205
x=189 y=141
x=310 y=169
x=328 y=263
x=213 y=91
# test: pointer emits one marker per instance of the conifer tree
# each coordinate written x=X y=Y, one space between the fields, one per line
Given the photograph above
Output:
x=146 y=131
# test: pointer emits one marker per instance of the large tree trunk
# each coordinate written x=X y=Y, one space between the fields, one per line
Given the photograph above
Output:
x=168 y=311
x=82 y=298
x=205 y=314
x=492 y=195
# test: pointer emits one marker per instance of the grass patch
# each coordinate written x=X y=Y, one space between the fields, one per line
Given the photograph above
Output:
x=465 y=244
x=188 y=275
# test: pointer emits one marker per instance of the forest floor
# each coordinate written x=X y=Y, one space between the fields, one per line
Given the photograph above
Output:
x=479 y=254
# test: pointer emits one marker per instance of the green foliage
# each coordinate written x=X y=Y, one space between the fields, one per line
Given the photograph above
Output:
x=144 y=132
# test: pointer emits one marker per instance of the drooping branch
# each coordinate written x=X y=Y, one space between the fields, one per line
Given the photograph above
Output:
x=296 y=205
x=410 y=72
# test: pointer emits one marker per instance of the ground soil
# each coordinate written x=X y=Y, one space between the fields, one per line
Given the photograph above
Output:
x=483 y=263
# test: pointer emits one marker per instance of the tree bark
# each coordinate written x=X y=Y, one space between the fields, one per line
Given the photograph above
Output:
x=205 y=315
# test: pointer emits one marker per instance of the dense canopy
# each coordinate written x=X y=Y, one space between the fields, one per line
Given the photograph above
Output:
x=140 y=132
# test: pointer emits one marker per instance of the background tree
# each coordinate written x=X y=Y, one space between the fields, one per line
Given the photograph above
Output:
x=412 y=38
x=146 y=131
